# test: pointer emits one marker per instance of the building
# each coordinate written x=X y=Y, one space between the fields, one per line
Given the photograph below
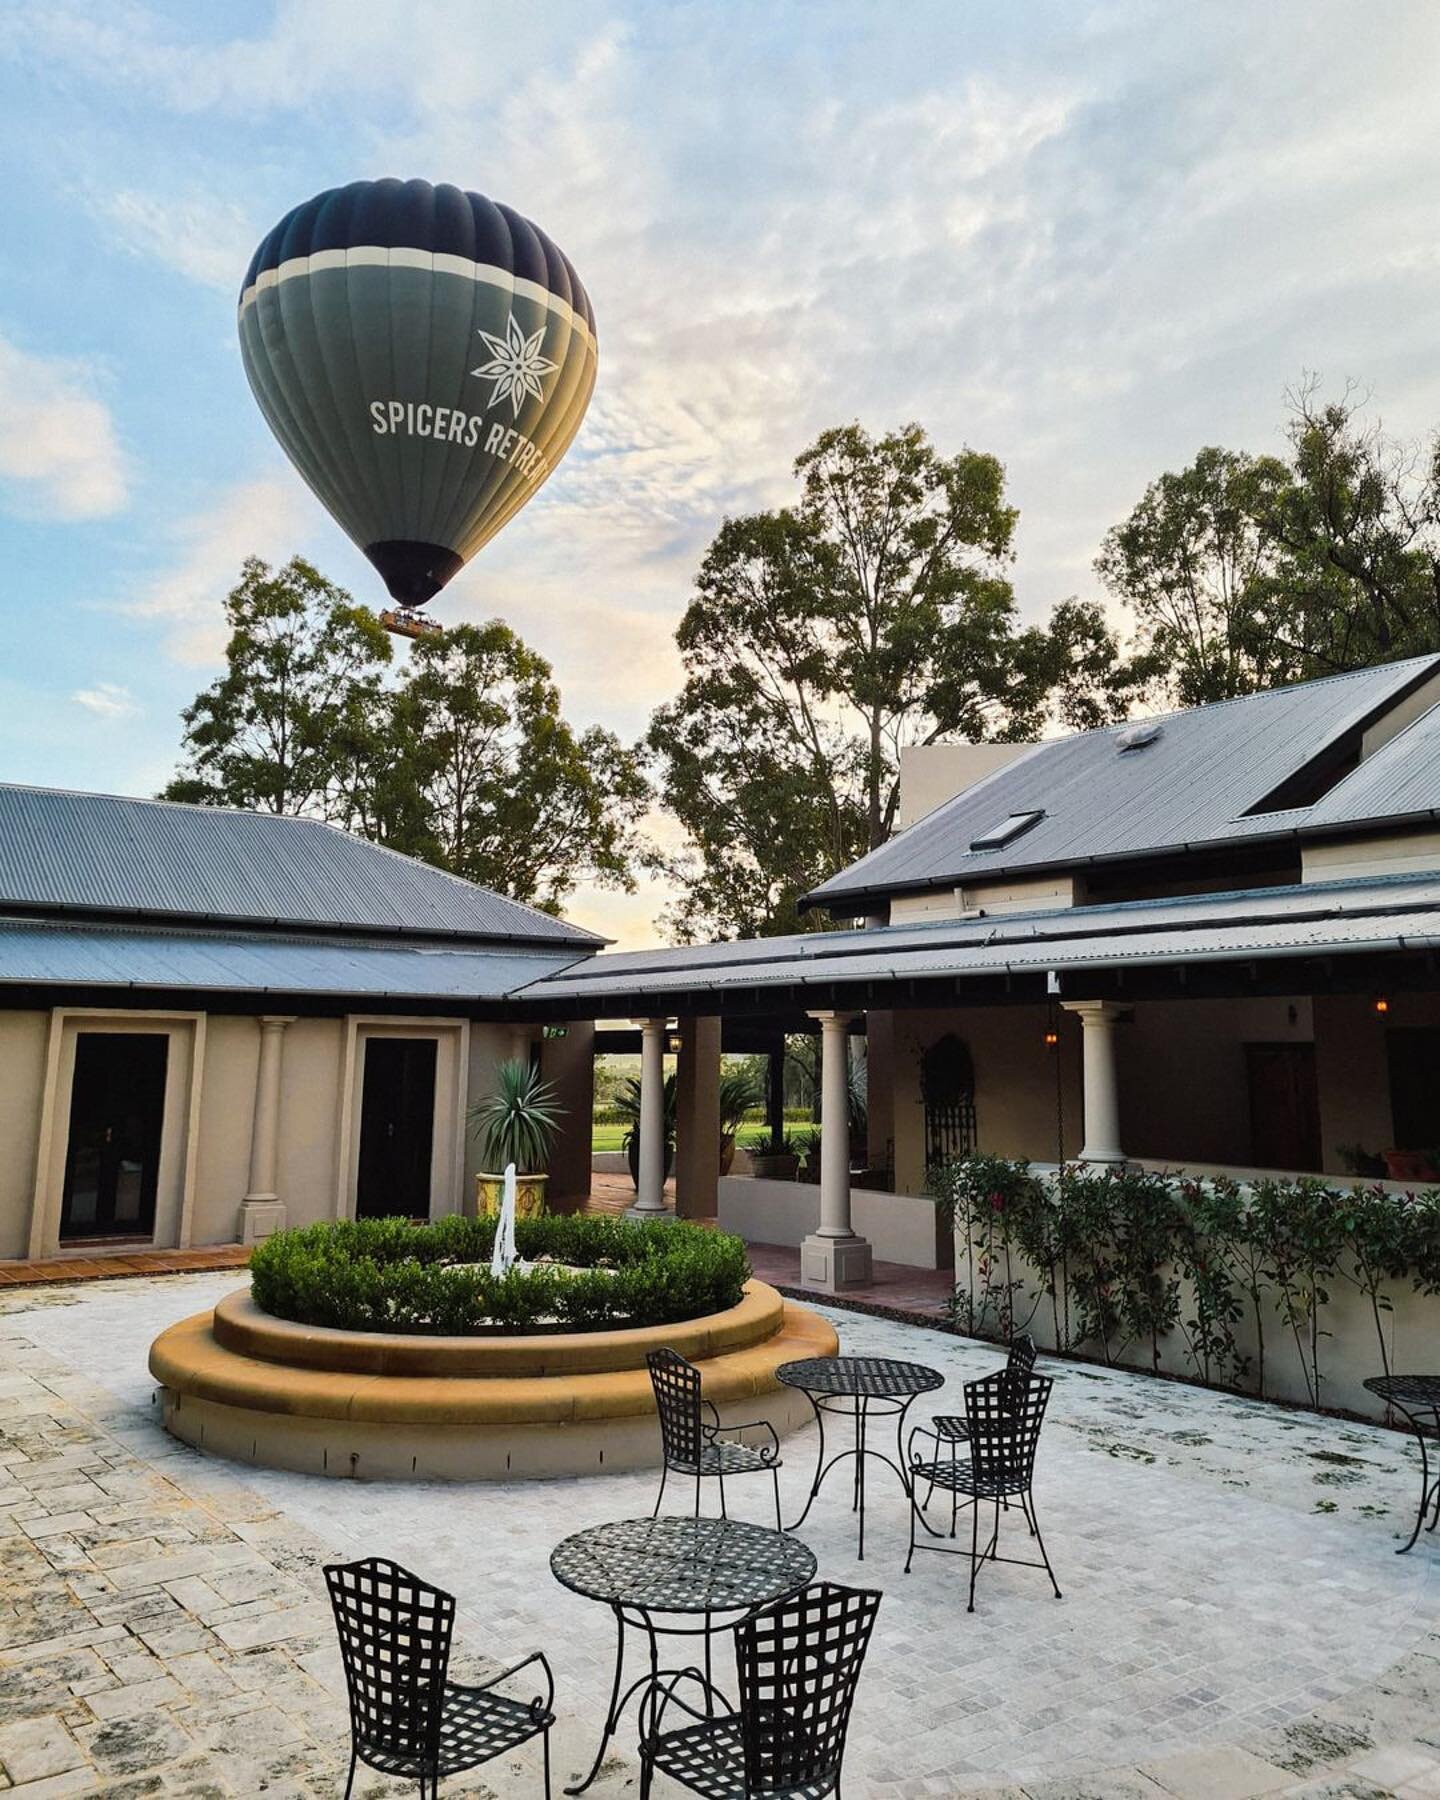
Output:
x=215 y=1022
x=1206 y=940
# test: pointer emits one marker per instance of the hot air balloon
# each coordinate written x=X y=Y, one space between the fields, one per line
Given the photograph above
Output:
x=425 y=356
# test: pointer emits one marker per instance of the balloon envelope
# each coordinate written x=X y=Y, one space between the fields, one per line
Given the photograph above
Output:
x=425 y=357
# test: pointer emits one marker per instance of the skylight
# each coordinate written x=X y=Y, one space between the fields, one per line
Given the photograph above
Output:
x=1006 y=831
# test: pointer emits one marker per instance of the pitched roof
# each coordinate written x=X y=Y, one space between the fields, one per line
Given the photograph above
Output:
x=105 y=853
x=1191 y=785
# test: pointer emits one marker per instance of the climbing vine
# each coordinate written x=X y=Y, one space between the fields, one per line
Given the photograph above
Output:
x=1123 y=1259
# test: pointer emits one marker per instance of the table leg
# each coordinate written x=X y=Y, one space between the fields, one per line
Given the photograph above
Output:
x=819 y=1413
x=612 y=1712
x=862 y=1414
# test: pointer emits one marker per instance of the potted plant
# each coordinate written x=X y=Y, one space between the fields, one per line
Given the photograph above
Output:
x=773 y=1159
x=627 y=1104
x=738 y=1093
x=807 y=1151
x=1412 y=1165
x=517 y=1123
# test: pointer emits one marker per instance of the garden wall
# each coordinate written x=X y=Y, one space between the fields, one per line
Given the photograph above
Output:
x=1341 y=1315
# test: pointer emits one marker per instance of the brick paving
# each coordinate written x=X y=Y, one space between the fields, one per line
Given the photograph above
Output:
x=108 y=1265
x=1235 y=1621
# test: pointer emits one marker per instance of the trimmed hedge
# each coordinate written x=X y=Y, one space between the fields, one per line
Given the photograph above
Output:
x=390 y=1275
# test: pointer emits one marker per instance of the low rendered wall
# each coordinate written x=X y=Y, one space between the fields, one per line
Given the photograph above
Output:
x=1349 y=1345
x=901 y=1228
x=238 y=1383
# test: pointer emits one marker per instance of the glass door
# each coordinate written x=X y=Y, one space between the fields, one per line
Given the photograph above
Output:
x=117 y=1110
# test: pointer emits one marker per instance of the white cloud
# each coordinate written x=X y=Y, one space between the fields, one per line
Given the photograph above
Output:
x=206 y=240
x=267 y=517
x=59 y=456
x=107 y=700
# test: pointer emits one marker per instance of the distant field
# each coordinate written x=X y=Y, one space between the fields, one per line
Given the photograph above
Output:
x=612 y=1137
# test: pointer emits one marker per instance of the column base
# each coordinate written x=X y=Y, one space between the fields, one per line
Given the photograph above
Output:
x=646 y=1214
x=259 y=1219
x=1103 y=1159
x=833 y=1263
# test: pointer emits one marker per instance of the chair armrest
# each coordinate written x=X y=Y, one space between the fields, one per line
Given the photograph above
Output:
x=541 y=1704
x=660 y=1694
x=768 y=1452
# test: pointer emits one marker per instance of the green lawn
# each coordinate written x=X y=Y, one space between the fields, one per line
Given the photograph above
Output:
x=611 y=1137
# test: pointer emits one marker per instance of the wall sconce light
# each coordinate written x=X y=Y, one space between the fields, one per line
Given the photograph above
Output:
x=673 y=1045
x=1052 y=1038
x=1382 y=1005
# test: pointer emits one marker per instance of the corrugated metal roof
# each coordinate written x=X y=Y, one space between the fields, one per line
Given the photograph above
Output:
x=108 y=853
x=1401 y=779
x=1317 y=917
x=44 y=953
x=1191 y=786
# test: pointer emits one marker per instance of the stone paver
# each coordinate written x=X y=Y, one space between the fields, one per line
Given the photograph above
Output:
x=1235 y=1621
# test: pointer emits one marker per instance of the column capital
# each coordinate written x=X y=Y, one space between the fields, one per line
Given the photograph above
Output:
x=1095 y=1012
x=652 y=1025
x=276 y=1021
x=835 y=1020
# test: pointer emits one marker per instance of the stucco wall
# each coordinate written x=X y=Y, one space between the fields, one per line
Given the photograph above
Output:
x=23 y=1039
x=900 y=1227
x=1181 y=1065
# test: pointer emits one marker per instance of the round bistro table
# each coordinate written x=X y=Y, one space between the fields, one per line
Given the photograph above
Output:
x=679 y=1569
x=1418 y=1397
x=860 y=1386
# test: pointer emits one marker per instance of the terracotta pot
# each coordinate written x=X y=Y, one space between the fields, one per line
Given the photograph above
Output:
x=1410 y=1165
x=727 y=1155
x=529 y=1195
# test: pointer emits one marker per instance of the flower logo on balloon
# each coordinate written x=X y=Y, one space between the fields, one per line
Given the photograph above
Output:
x=515 y=366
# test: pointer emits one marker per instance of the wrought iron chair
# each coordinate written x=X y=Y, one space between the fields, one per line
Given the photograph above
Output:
x=1003 y=1421
x=406 y=1718
x=953 y=1428
x=798 y=1664
x=692 y=1444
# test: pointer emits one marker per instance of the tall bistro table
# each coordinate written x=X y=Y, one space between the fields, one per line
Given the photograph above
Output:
x=1418 y=1397
x=865 y=1387
x=656 y=1573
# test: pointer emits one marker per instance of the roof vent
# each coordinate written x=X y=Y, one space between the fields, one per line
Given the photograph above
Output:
x=1138 y=736
x=1006 y=831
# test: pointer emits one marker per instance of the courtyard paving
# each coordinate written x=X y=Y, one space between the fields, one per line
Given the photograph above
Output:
x=1235 y=1620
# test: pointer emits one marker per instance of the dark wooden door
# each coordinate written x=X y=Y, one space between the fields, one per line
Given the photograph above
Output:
x=117 y=1112
x=1284 y=1106
x=1414 y=1056
x=397 y=1129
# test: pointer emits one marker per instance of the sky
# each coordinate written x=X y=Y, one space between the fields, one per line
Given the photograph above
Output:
x=1087 y=238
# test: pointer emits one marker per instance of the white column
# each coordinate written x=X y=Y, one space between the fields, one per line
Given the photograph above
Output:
x=834 y=1256
x=650 y=1197
x=1101 y=1089
x=262 y=1210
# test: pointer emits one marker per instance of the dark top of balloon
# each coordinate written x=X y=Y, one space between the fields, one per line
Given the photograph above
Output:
x=413 y=215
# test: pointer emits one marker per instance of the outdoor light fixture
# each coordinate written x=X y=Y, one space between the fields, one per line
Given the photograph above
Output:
x=1052 y=1038
x=1382 y=1005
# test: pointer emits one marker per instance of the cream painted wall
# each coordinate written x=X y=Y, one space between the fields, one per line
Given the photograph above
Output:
x=1015 y=1098
x=1184 y=1094
x=1399 y=853
x=23 y=1040
x=570 y=1063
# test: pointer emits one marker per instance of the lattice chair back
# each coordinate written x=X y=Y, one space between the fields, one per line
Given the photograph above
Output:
x=677 y=1400
x=1019 y=1363
x=798 y=1664
x=395 y=1633
x=1004 y=1417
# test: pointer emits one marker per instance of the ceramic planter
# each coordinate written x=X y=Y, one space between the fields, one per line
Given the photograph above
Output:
x=529 y=1195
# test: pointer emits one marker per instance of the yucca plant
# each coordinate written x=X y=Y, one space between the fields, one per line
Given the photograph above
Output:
x=520 y=1121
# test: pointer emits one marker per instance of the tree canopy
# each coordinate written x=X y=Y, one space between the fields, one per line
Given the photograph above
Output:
x=461 y=756
x=1248 y=571
x=821 y=638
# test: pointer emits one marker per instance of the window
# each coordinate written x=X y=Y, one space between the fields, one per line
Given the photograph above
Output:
x=1006 y=831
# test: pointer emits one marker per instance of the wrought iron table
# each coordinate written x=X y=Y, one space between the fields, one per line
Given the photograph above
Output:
x=858 y=1385
x=678 y=1568
x=1418 y=1397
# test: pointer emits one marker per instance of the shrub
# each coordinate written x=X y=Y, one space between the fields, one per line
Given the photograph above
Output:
x=390 y=1275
